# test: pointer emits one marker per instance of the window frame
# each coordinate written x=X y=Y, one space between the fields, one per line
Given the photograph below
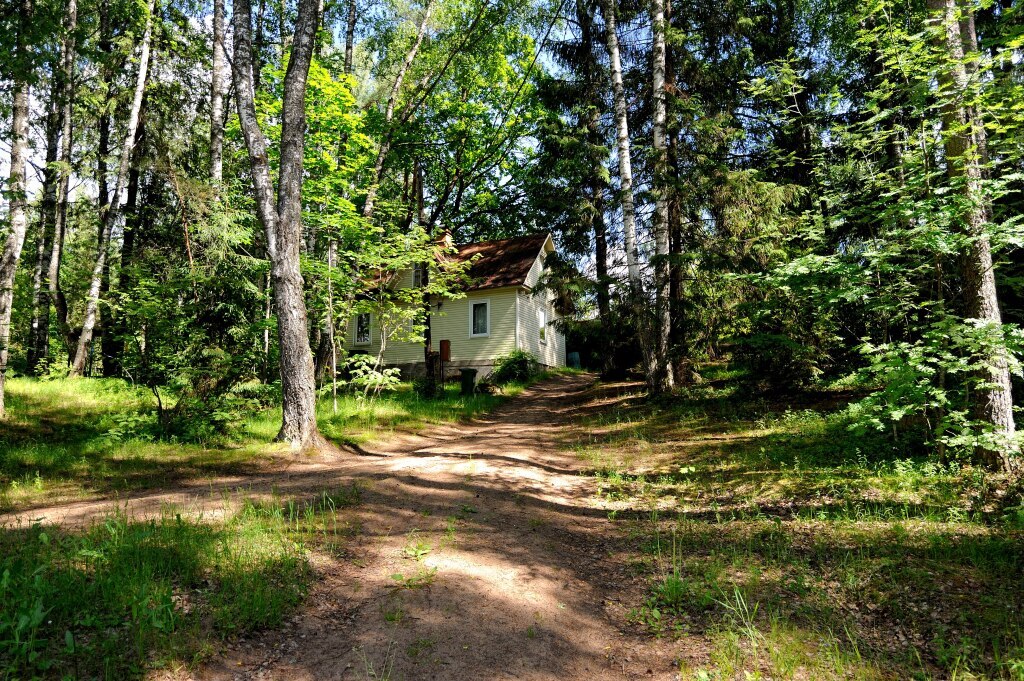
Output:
x=542 y=325
x=417 y=275
x=472 y=305
x=369 y=329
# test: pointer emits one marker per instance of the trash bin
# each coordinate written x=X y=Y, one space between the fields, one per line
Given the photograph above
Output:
x=468 y=381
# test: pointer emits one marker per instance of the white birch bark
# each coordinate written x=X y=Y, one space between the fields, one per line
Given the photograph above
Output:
x=389 y=112
x=623 y=145
x=114 y=207
x=16 y=192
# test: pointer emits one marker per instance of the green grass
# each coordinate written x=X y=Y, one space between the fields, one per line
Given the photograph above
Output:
x=782 y=545
x=66 y=439
x=122 y=597
x=87 y=438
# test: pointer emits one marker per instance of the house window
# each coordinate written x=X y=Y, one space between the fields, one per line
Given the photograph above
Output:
x=542 y=325
x=417 y=275
x=480 y=318
x=363 y=328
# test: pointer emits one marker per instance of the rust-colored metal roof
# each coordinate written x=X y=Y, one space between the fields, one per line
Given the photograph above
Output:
x=501 y=263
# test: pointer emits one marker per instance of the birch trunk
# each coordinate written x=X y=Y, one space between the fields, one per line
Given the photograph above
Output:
x=217 y=98
x=113 y=207
x=56 y=293
x=282 y=220
x=327 y=350
x=16 y=193
x=389 y=112
x=661 y=380
x=964 y=143
x=622 y=143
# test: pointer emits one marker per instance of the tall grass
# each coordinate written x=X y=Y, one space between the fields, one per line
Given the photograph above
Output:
x=123 y=596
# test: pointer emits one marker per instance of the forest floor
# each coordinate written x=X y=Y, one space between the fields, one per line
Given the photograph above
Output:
x=575 y=532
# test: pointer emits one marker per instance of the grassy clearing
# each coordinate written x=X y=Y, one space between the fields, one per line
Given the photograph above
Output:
x=123 y=597
x=777 y=544
x=70 y=439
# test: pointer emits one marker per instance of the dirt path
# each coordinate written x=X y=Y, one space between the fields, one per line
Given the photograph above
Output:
x=521 y=575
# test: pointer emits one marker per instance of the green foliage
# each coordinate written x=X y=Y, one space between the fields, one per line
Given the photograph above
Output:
x=365 y=375
x=518 y=366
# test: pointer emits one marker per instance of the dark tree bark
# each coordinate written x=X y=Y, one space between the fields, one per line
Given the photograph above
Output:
x=282 y=220
x=55 y=292
x=350 y=34
x=16 y=193
x=661 y=379
x=964 y=143
x=39 y=339
x=113 y=207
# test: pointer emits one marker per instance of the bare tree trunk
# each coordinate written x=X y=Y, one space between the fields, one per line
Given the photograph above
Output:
x=39 y=339
x=283 y=221
x=964 y=143
x=622 y=142
x=389 y=112
x=217 y=98
x=16 y=193
x=350 y=35
x=661 y=381
x=113 y=208
x=56 y=293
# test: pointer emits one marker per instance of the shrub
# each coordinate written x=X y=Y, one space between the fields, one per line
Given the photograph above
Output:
x=517 y=366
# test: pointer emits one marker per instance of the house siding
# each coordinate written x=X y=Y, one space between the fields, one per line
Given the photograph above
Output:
x=451 y=323
x=552 y=352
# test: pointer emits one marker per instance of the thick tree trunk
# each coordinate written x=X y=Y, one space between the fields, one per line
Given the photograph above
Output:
x=113 y=208
x=389 y=113
x=16 y=196
x=39 y=339
x=283 y=221
x=217 y=98
x=661 y=381
x=623 y=145
x=964 y=142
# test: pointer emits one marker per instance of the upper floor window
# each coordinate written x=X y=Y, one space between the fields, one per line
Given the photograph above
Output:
x=417 y=275
x=480 y=318
x=363 y=328
x=542 y=325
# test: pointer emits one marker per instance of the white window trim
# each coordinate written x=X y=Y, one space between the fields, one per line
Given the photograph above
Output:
x=542 y=325
x=472 y=303
x=369 y=325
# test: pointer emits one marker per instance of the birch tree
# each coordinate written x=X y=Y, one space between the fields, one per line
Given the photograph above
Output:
x=112 y=212
x=389 y=112
x=622 y=143
x=15 y=191
x=217 y=97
